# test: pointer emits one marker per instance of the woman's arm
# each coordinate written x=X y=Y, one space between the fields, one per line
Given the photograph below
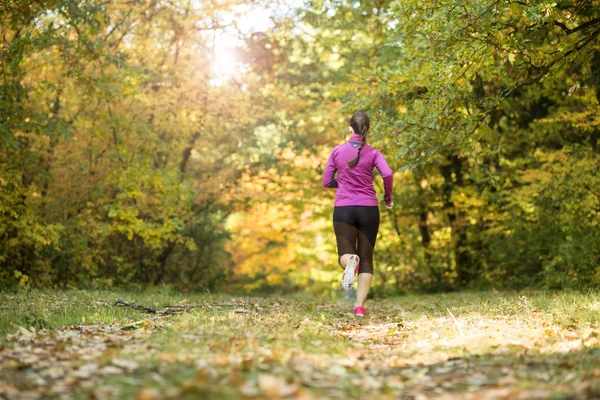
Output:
x=388 y=177
x=329 y=175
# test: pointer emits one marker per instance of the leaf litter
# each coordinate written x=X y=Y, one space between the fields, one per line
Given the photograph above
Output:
x=290 y=349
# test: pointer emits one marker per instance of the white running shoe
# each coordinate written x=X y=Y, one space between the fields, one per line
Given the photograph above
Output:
x=350 y=271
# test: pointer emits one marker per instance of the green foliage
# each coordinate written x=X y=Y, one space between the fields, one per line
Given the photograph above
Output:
x=551 y=230
x=488 y=110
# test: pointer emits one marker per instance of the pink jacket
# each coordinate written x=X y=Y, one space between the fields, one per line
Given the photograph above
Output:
x=355 y=185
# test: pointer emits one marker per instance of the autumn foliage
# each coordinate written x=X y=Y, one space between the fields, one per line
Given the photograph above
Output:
x=131 y=154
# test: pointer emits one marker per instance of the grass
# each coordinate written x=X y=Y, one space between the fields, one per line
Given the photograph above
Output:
x=460 y=345
x=52 y=309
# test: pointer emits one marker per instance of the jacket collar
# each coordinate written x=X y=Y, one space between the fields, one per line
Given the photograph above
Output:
x=355 y=138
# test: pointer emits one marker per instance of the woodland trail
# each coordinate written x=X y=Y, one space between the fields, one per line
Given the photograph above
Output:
x=459 y=346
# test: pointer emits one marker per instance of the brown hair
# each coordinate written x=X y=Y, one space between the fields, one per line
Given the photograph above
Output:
x=360 y=124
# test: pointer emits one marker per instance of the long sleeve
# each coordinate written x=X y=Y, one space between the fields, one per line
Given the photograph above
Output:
x=388 y=176
x=329 y=175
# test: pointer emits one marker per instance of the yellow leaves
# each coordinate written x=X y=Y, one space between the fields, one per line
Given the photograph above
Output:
x=262 y=242
x=142 y=324
x=22 y=278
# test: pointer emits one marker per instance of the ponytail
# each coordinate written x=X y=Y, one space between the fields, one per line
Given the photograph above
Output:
x=360 y=124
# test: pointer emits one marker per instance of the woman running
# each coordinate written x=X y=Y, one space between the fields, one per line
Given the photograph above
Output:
x=356 y=211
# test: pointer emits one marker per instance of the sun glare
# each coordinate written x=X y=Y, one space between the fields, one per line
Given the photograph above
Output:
x=248 y=19
x=224 y=66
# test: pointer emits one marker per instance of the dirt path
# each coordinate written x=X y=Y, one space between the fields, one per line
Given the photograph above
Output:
x=270 y=349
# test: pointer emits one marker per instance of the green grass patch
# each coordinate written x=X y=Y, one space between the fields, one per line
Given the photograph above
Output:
x=53 y=309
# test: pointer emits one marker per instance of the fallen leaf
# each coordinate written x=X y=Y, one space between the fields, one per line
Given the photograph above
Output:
x=23 y=335
x=337 y=370
x=249 y=390
x=147 y=394
x=85 y=371
x=125 y=364
x=110 y=370
x=53 y=372
x=276 y=386
x=105 y=392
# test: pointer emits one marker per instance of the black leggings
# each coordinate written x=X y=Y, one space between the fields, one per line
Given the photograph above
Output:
x=354 y=224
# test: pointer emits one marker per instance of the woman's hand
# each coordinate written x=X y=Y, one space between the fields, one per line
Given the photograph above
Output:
x=389 y=206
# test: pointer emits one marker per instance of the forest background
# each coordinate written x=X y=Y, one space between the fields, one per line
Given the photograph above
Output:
x=182 y=142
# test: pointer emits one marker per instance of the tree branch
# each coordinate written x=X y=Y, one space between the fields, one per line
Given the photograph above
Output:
x=117 y=26
x=569 y=31
x=546 y=68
